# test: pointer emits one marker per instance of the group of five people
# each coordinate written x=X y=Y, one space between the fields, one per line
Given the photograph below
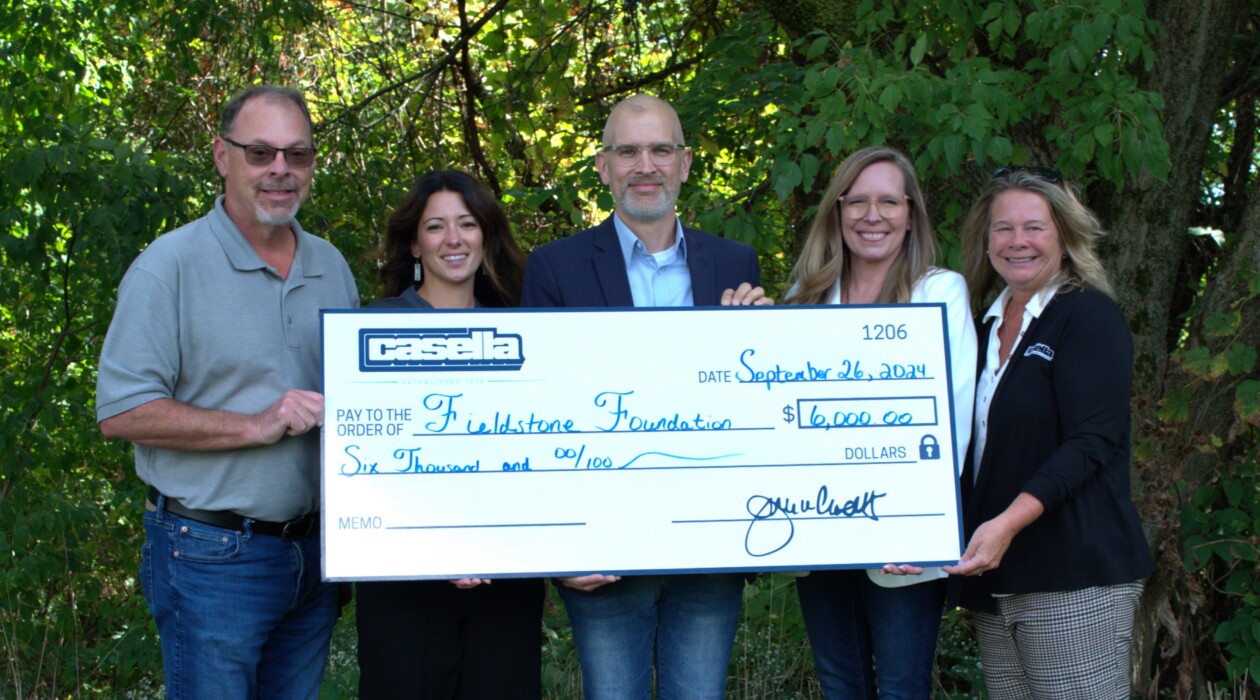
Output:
x=211 y=368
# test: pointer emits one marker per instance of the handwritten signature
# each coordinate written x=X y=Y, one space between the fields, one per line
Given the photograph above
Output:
x=772 y=517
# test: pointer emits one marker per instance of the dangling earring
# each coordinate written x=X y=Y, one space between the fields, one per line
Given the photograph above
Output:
x=419 y=272
x=484 y=272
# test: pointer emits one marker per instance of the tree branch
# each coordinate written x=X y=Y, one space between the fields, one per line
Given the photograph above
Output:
x=648 y=79
x=472 y=95
x=452 y=52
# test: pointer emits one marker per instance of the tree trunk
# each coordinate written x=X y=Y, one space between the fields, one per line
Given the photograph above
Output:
x=1149 y=222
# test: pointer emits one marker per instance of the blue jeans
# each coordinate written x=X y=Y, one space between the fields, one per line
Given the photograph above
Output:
x=870 y=641
x=685 y=623
x=239 y=615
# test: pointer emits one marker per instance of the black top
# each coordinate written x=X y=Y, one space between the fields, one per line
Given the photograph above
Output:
x=1058 y=429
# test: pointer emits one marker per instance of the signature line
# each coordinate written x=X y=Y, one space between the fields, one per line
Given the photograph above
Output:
x=812 y=517
x=474 y=527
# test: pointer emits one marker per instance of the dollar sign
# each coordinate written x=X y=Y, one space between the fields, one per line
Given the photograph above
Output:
x=788 y=414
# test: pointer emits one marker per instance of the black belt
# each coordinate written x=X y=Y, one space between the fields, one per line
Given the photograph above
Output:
x=295 y=529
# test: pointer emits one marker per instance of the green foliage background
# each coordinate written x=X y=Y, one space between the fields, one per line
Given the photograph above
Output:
x=110 y=107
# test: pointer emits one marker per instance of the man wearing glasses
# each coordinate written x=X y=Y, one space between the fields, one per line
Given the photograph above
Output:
x=211 y=367
x=643 y=256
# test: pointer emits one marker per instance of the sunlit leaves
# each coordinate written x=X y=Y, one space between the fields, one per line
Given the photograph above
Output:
x=1247 y=402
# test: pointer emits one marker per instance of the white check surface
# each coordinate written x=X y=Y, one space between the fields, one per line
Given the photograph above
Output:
x=522 y=443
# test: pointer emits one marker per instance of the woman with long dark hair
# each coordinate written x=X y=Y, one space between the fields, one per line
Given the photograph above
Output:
x=449 y=246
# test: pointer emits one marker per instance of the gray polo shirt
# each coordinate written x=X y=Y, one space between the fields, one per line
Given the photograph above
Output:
x=201 y=319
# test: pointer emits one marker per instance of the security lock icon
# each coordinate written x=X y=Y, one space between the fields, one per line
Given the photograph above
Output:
x=929 y=448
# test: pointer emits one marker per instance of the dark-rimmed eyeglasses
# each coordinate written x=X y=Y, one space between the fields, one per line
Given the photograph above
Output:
x=1041 y=172
x=855 y=206
x=258 y=154
x=659 y=153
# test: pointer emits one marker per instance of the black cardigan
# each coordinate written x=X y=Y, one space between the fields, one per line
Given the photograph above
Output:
x=1058 y=428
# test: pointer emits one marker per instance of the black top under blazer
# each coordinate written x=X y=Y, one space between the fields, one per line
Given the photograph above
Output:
x=1058 y=429
x=589 y=269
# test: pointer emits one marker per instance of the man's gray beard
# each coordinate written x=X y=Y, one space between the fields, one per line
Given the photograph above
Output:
x=654 y=211
x=283 y=219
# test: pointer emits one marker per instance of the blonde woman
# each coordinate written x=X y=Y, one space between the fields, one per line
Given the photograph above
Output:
x=874 y=632
x=1046 y=498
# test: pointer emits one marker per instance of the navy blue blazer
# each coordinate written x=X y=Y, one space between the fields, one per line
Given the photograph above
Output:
x=588 y=269
x=1058 y=428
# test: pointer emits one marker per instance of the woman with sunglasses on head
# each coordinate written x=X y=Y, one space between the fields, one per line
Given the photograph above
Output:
x=449 y=246
x=1047 y=511
x=874 y=632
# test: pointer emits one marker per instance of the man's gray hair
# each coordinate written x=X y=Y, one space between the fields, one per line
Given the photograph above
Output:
x=271 y=92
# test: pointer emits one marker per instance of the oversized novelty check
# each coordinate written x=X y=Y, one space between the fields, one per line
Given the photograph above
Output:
x=523 y=443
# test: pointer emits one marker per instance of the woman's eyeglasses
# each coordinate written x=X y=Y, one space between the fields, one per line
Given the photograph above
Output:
x=856 y=206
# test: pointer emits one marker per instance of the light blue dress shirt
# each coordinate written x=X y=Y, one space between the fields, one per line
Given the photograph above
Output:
x=656 y=279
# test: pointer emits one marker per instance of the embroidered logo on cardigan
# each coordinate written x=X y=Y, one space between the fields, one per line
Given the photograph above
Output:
x=1040 y=350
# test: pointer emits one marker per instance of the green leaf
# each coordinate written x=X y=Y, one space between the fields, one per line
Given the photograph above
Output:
x=1011 y=19
x=1241 y=359
x=1034 y=25
x=1235 y=490
x=809 y=170
x=1176 y=405
x=999 y=149
x=890 y=97
x=919 y=50
x=994 y=30
x=1247 y=401
x=1083 y=149
x=1105 y=134
x=1238 y=583
x=1206 y=495
x=1196 y=361
x=1222 y=324
x=817 y=48
x=1225 y=632
x=1077 y=57
x=787 y=175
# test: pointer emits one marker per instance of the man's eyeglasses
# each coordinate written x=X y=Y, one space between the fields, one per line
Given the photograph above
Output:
x=1040 y=172
x=856 y=206
x=258 y=154
x=660 y=153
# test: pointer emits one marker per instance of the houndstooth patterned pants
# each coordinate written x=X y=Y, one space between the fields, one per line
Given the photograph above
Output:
x=1068 y=645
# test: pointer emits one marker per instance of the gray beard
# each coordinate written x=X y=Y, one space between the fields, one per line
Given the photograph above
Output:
x=282 y=219
x=650 y=211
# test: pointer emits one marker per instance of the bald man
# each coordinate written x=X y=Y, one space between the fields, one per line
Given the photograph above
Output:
x=642 y=256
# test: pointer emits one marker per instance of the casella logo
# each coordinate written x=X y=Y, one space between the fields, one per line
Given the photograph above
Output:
x=438 y=350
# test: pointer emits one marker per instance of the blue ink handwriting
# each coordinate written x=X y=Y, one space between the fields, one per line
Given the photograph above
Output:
x=622 y=419
x=359 y=466
x=772 y=517
x=413 y=464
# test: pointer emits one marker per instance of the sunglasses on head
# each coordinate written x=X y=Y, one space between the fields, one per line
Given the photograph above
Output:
x=1040 y=172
